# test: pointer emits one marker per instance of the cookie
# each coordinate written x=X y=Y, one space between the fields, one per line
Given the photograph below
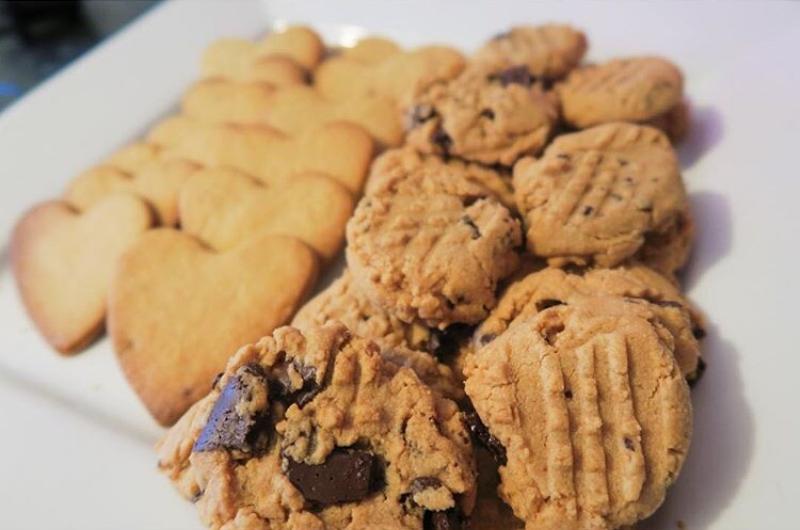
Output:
x=241 y=60
x=341 y=150
x=411 y=345
x=606 y=195
x=637 y=90
x=293 y=110
x=301 y=43
x=371 y=50
x=430 y=245
x=549 y=51
x=133 y=157
x=177 y=310
x=314 y=430
x=401 y=76
x=640 y=290
x=492 y=118
x=224 y=207
x=158 y=182
x=396 y=163
x=674 y=123
x=63 y=262
x=588 y=415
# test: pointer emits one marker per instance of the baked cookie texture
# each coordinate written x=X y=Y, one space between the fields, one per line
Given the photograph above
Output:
x=637 y=89
x=429 y=245
x=412 y=345
x=589 y=416
x=63 y=261
x=177 y=309
x=548 y=52
x=313 y=430
x=483 y=116
x=606 y=195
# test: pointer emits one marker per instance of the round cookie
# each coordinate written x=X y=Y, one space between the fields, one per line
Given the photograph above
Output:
x=549 y=51
x=411 y=345
x=430 y=245
x=606 y=195
x=637 y=89
x=589 y=414
x=637 y=289
x=313 y=431
x=483 y=116
x=396 y=163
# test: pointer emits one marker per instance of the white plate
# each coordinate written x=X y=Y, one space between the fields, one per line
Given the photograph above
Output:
x=75 y=441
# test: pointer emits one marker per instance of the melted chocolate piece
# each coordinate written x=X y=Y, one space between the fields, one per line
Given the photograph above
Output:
x=516 y=75
x=348 y=475
x=482 y=436
x=281 y=386
x=226 y=427
x=424 y=483
x=446 y=520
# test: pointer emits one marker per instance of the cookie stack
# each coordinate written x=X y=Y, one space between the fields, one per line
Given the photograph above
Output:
x=511 y=275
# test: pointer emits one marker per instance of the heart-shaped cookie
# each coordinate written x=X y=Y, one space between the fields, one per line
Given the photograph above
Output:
x=178 y=310
x=341 y=150
x=223 y=207
x=63 y=262
x=156 y=181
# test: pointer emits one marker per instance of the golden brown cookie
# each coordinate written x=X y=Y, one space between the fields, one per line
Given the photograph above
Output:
x=401 y=76
x=158 y=182
x=636 y=89
x=224 y=207
x=640 y=290
x=548 y=51
x=430 y=245
x=483 y=116
x=312 y=430
x=606 y=195
x=292 y=110
x=133 y=157
x=177 y=309
x=371 y=50
x=341 y=150
x=588 y=415
x=63 y=262
x=411 y=345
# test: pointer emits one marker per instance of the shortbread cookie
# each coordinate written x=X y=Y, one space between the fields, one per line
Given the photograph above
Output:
x=642 y=291
x=396 y=163
x=429 y=245
x=637 y=90
x=158 y=182
x=589 y=415
x=548 y=51
x=177 y=309
x=487 y=117
x=606 y=195
x=372 y=50
x=63 y=262
x=133 y=157
x=314 y=431
x=301 y=43
x=401 y=76
x=293 y=110
x=411 y=345
x=341 y=150
x=224 y=207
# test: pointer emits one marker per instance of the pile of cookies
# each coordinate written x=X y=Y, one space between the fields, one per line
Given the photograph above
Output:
x=508 y=346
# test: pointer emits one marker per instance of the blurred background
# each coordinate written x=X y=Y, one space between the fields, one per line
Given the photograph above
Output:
x=38 y=37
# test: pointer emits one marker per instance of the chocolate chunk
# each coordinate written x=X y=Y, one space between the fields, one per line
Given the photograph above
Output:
x=418 y=115
x=424 y=483
x=486 y=338
x=518 y=75
x=587 y=210
x=446 y=520
x=546 y=303
x=698 y=373
x=476 y=232
x=482 y=436
x=443 y=140
x=628 y=444
x=281 y=386
x=232 y=425
x=347 y=475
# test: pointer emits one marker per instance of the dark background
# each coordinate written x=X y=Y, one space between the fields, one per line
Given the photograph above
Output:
x=37 y=38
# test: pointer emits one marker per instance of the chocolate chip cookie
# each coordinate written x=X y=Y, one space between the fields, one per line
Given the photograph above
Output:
x=483 y=116
x=548 y=51
x=588 y=414
x=605 y=195
x=430 y=245
x=315 y=431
